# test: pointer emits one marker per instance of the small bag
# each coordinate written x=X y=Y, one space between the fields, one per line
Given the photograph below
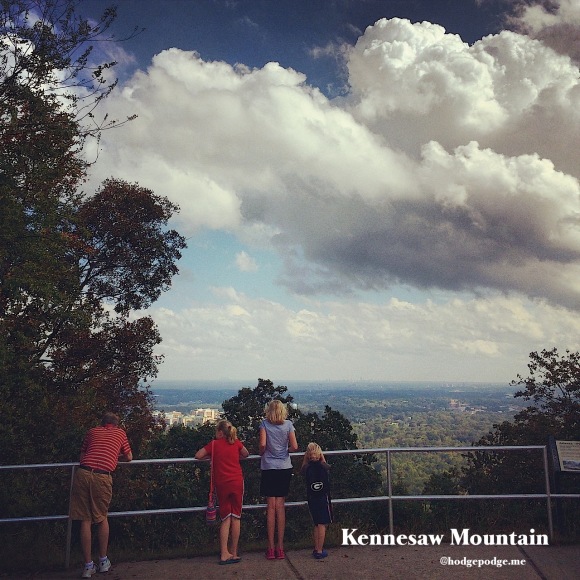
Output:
x=211 y=510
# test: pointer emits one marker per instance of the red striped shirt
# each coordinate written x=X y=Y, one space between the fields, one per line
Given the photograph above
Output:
x=102 y=447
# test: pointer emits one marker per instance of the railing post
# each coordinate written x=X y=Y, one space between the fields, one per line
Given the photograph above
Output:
x=69 y=521
x=548 y=495
x=390 y=492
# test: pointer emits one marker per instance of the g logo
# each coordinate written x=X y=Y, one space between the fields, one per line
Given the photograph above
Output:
x=317 y=486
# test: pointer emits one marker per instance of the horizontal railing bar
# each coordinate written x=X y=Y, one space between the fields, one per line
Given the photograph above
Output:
x=548 y=496
x=303 y=503
x=33 y=519
x=299 y=454
x=431 y=449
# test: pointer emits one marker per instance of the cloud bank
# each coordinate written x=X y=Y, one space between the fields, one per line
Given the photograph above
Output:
x=357 y=340
x=447 y=166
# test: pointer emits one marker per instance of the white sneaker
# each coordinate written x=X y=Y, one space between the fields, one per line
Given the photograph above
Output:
x=105 y=565
x=88 y=572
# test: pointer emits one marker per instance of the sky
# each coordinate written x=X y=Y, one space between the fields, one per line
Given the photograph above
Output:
x=370 y=190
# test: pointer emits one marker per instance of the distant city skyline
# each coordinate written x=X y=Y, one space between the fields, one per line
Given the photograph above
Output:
x=380 y=190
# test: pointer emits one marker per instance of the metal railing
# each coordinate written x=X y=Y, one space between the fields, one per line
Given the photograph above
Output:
x=389 y=498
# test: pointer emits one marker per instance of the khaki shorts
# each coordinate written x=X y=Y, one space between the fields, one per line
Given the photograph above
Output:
x=91 y=495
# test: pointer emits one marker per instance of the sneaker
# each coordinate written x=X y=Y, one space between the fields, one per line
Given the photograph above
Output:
x=88 y=571
x=280 y=554
x=105 y=565
x=320 y=555
x=270 y=554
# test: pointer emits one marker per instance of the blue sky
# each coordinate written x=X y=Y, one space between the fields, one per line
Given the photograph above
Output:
x=375 y=190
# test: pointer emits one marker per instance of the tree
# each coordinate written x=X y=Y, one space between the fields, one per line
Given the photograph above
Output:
x=553 y=386
x=246 y=409
x=352 y=475
x=73 y=267
x=46 y=49
x=553 y=389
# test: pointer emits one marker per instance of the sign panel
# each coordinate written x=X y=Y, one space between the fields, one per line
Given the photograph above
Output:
x=569 y=455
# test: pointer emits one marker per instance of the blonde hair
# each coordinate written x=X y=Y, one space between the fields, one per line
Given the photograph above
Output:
x=313 y=453
x=228 y=430
x=276 y=412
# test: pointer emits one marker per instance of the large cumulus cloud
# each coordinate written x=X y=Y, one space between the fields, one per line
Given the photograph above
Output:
x=447 y=166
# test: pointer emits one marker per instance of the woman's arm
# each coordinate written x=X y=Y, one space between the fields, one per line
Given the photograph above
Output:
x=244 y=452
x=292 y=443
x=262 y=441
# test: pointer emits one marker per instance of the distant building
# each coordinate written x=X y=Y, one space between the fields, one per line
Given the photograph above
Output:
x=195 y=417
x=207 y=414
x=174 y=418
x=456 y=405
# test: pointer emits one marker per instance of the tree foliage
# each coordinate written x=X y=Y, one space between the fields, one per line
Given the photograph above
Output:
x=246 y=409
x=73 y=267
x=552 y=389
x=46 y=52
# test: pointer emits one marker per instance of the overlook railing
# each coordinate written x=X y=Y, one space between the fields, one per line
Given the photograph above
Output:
x=389 y=498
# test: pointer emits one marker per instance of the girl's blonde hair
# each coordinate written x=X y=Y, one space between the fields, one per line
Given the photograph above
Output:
x=313 y=453
x=276 y=412
x=228 y=430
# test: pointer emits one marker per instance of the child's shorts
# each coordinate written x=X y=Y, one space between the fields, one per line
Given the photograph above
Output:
x=320 y=510
x=230 y=499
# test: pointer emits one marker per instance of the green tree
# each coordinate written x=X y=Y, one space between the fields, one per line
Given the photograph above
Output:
x=553 y=390
x=72 y=266
x=246 y=409
x=553 y=387
x=352 y=475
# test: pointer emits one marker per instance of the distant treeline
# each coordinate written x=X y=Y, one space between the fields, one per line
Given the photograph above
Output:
x=356 y=403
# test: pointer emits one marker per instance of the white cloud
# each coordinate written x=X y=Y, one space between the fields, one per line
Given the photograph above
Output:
x=246 y=263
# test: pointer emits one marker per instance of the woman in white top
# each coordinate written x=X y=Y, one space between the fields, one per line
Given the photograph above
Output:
x=277 y=440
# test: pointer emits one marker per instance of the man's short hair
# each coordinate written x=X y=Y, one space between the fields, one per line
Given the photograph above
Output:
x=110 y=419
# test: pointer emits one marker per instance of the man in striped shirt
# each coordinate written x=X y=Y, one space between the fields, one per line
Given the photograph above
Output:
x=92 y=488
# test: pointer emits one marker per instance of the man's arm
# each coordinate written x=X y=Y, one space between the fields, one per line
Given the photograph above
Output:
x=126 y=453
x=126 y=457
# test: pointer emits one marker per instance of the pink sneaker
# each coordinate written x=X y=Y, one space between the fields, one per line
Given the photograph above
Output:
x=280 y=554
x=270 y=554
